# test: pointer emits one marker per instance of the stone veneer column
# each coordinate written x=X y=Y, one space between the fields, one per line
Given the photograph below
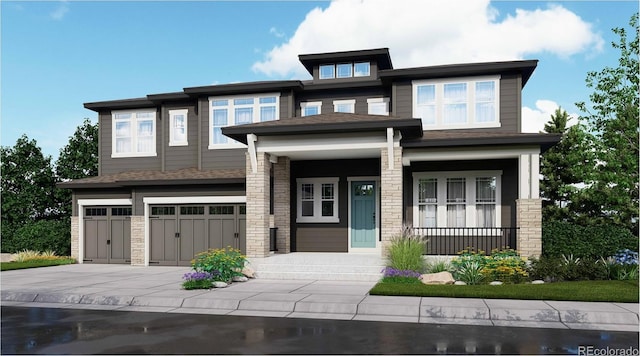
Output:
x=75 y=238
x=529 y=220
x=282 y=203
x=390 y=197
x=258 y=207
x=137 y=240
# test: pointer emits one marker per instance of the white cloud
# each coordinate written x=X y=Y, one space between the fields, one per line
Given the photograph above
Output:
x=274 y=31
x=59 y=13
x=421 y=33
x=533 y=120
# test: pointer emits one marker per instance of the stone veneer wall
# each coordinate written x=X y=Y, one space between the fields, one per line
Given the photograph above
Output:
x=282 y=203
x=258 y=207
x=137 y=240
x=529 y=220
x=75 y=238
x=390 y=197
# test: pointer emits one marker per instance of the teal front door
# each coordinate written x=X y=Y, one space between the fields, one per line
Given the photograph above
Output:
x=363 y=214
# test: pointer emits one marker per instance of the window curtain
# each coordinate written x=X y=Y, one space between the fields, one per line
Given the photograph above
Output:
x=456 y=202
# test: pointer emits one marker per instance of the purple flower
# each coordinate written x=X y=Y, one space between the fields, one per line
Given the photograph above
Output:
x=198 y=276
x=392 y=272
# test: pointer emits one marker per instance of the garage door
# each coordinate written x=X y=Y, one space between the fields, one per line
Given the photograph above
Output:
x=179 y=232
x=107 y=235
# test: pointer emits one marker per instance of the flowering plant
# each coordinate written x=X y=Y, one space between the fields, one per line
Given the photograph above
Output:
x=222 y=263
x=198 y=280
x=390 y=274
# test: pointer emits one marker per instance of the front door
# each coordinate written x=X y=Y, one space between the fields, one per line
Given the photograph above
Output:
x=363 y=214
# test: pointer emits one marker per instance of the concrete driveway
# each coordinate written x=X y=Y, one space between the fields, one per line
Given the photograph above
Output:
x=158 y=289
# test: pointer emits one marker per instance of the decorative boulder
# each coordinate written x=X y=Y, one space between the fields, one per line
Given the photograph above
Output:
x=219 y=285
x=240 y=279
x=495 y=283
x=537 y=281
x=249 y=272
x=460 y=283
x=437 y=278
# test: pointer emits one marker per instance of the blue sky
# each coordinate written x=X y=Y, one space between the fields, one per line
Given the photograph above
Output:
x=57 y=55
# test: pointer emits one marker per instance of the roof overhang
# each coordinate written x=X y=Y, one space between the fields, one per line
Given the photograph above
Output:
x=244 y=88
x=524 y=67
x=435 y=140
x=335 y=123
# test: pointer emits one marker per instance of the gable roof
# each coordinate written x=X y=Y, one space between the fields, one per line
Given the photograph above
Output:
x=326 y=123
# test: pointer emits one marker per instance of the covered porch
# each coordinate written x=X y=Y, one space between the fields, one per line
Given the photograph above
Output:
x=327 y=183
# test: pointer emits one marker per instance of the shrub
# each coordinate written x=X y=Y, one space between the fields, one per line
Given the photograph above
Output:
x=438 y=265
x=510 y=269
x=391 y=274
x=405 y=252
x=222 y=264
x=568 y=268
x=25 y=255
x=40 y=236
x=469 y=272
x=562 y=238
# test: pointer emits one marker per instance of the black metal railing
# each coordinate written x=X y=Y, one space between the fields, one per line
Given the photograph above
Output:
x=451 y=240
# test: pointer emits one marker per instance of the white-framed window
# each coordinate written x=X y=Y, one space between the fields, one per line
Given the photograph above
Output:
x=134 y=133
x=348 y=106
x=457 y=199
x=378 y=106
x=345 y=70
x=327 y=71
x=178 y=127
x=361 y=69
x=311 y=108
x=239 y=110
x=317 y=200
x=458 y=103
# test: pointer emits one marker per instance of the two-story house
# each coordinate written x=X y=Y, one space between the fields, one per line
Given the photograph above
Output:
x=338 y=163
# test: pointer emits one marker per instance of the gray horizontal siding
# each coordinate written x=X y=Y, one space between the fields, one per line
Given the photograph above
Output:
x=327 y=98
x=109 y=165
x=330 y=239
x=178 y=157
x=510 y=103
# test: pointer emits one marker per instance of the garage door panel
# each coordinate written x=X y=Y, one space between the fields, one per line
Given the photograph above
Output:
x=163 y=242
x=120 y=241
x=221 y=233
x=192 y=238
x=95 y=245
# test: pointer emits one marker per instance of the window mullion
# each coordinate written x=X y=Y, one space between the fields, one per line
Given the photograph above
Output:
x=471 y=201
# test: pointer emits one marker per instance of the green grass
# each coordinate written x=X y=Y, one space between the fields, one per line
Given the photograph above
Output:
x=6 y=266
x=586 y=291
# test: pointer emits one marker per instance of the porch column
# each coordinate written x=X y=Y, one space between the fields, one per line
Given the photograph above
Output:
x=75 y=238
x=390 y=195
x=529 y=206
x=257 y=187
x=282 y=203
x=138 y=253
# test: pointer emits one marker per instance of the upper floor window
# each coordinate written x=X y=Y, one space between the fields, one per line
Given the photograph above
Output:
x=311 y=108
x=378 y=106
x=134 y=133
x=348 y=106
x=239 y=110
x=178 y=127
x=345 y=70
x=457 y=103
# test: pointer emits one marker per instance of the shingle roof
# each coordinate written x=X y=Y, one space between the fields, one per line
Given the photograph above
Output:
x=181 y=176
x=455 y=138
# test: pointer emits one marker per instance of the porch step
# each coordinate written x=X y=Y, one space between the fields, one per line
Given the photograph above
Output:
x=319 y=266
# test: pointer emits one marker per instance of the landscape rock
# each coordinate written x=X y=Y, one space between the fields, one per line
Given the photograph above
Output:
x=495 y=283
x=438 y=278
x=460 y=283
x=240 y=279
x=249 y=272
x=537 y=281
x=219 y=285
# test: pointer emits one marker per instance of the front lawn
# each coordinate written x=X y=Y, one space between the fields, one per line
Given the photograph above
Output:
x=6 y=266
x=585 y=291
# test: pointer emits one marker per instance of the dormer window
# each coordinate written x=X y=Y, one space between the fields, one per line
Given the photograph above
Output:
x=345 y=70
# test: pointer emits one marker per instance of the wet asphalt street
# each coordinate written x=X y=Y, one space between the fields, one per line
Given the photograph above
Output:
x=69 y=331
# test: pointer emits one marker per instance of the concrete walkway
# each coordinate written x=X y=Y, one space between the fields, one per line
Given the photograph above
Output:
x=158 y=289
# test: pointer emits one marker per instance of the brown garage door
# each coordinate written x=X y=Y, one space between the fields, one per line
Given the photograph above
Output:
x=107 y=234
x=179 y=232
